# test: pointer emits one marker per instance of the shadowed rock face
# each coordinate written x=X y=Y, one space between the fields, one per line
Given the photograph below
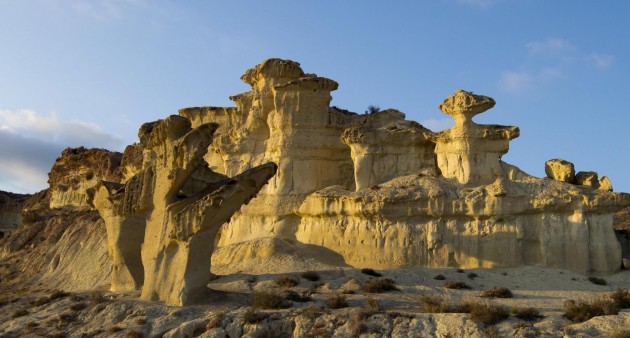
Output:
x=162 y=222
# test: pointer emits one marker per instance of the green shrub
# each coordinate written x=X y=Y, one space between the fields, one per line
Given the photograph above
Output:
x=499 y=292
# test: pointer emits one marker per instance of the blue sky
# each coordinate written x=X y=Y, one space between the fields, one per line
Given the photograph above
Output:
x=79 y=72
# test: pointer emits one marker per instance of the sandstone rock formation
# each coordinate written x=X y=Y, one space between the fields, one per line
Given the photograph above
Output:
x=10 y=212
x=76 y=171
x=378 y=191
x=162 y=222
x=560 y=170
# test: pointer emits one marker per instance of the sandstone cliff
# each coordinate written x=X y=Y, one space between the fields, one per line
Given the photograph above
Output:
x=10 y=212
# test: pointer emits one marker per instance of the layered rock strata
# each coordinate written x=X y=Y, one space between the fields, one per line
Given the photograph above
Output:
x=379 y=191
x=162 y=222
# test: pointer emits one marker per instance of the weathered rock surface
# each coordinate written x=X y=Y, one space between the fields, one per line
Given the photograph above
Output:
x=560 y=170
x=10 y=212
x=76 y=171
x=162 y=222
x=587 y=178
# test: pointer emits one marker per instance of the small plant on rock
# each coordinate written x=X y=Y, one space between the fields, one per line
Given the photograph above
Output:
x=252 y=316
x=528 y=314
x=268 y=300
x=487 y=313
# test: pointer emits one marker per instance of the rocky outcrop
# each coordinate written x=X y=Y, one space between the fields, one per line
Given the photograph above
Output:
x=162 y=222
x=10 y=212
x=560 y=170
x=76 y=171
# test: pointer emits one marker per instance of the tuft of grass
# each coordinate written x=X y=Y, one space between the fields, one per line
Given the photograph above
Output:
x=439 y=277
x=310 y=276
x=19 y=313
x=472 y=275
x=337 y=302
x=287 y=282
x=500 y=292
x=597 y=280
x=311 y=312
x=251 y=316
x=528 y=314
x=437 y=304
x=371 y=272
x=268 y=300
x=372 y=305
x=379 y=285
x=456 y=285
x=487 y=313
x=582 y=311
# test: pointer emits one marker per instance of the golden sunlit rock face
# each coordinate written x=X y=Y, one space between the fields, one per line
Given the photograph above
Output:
x=372 y=190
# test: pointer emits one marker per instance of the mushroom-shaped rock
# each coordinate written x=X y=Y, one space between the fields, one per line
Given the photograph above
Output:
x=468 y=152
x=560 y=170
x=587 y=178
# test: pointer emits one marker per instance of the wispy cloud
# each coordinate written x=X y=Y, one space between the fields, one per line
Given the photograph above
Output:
x=30 y=142
x=479 y=3
x=601 y=61
x=552 y=47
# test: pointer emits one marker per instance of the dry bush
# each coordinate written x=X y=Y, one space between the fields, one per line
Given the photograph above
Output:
x=582 y=311
x=437 y=304
x=456 y=285
x=337 y=302
x=287 y=282
x=486 y=313
x=621 y=297
x=268 y=300
x=528 y=313
x=371 y=272
x=296 y=297
x=439 y=277
x=499 y=292
x=251 y=316
x=372 y=305
x=379 y=285
x=310 y=276
x=597 y=280
x=311 y=312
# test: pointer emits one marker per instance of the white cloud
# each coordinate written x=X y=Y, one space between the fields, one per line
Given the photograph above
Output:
x=478 y=3
x=438 y=124
x=515 y=81
x=30 y=142
x=601 y=61
x=50 y=128
x=550 y=47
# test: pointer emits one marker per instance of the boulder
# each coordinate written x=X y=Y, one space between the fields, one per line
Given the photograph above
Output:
x=560 y=170
x=587 y=178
